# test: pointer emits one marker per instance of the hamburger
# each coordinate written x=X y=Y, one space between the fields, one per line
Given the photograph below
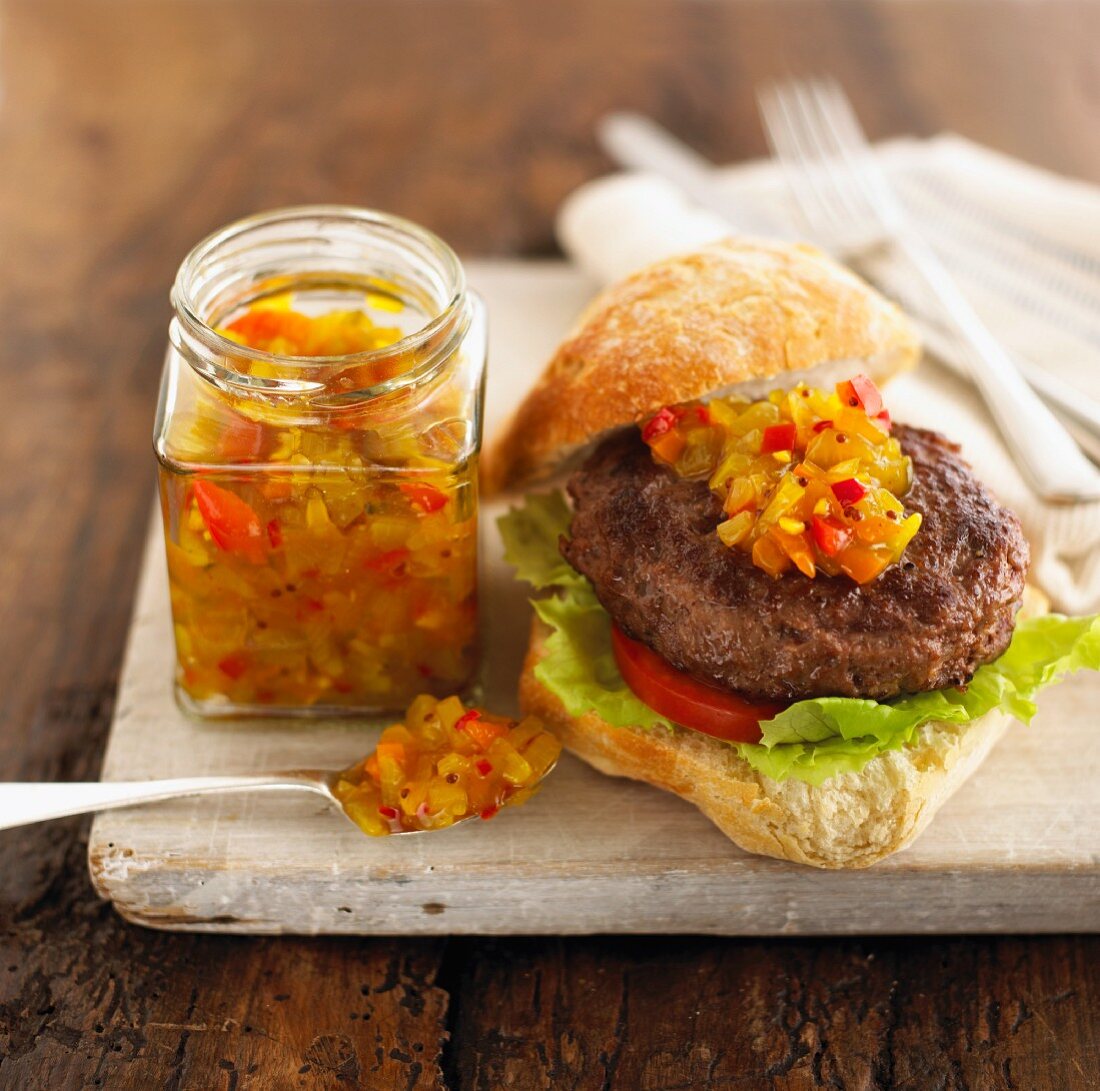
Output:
x=814 y=643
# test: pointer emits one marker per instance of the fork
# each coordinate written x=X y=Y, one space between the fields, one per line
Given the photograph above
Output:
x=849 y=208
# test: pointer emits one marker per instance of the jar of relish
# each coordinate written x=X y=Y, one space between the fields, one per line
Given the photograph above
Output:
x=317 y=436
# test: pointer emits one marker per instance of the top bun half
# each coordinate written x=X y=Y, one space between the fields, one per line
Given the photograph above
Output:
x=739 y=316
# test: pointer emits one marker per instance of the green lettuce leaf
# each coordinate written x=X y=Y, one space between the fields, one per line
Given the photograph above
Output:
x=579 y=666
x=531 y=536
x=812 y=740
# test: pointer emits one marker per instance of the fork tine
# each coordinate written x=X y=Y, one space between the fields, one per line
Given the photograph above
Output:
x=786 y=146
x=828 y=163
x=837 y=114
x=821 y=143
x=793 y=144
x=837 y=167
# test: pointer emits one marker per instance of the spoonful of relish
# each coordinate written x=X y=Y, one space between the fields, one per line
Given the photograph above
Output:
x=444 y=764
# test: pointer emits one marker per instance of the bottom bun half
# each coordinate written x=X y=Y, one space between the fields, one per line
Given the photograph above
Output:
x=851 y=820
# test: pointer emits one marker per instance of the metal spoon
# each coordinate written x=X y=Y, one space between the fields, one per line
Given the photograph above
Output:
x=24 y=803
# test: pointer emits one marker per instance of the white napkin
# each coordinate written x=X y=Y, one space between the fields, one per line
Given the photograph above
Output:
x=1025 y=248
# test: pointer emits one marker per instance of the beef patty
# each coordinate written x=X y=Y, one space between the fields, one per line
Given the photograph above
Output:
x=646 y=540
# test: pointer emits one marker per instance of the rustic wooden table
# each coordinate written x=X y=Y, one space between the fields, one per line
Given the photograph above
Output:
x=128 y=129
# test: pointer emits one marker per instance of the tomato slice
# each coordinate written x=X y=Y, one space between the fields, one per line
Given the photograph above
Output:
x=685 y=700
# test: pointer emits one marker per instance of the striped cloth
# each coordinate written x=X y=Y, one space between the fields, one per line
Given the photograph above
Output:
x=1025 y=247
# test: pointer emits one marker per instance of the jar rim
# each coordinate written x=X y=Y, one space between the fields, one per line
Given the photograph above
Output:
x=445 y=259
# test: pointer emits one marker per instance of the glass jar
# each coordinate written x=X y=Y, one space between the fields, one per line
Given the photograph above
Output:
x=317 y=436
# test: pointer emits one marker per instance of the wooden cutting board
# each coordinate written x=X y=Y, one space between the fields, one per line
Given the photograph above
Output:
x=1016 y=850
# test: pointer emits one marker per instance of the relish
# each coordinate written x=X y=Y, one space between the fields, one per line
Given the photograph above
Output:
x=446 y=762
x=807 y=479
x=320 y=556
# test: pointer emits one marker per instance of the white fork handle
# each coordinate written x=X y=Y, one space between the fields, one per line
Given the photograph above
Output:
x=639 y=143
x=21 y=804
x=1080 y=413
x=1043 y=449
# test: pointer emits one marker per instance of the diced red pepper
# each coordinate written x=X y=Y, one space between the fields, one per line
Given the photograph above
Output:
x=849 y=491
x=274 y=534
x=427 y=498
x=387 y=812
x=830 y=535
x=861 y=391
x=489 y=812
x=484 y=767
x=779 y=437
x=241 y=440
x=662 y=422
x=703 y=414
x=234 y=664
x=466 y=719
x=232 y=523
x=262 y=326
x=821 y=425
x=386 y=562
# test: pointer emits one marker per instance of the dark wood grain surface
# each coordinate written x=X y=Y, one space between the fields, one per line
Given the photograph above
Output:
x=128 y=129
